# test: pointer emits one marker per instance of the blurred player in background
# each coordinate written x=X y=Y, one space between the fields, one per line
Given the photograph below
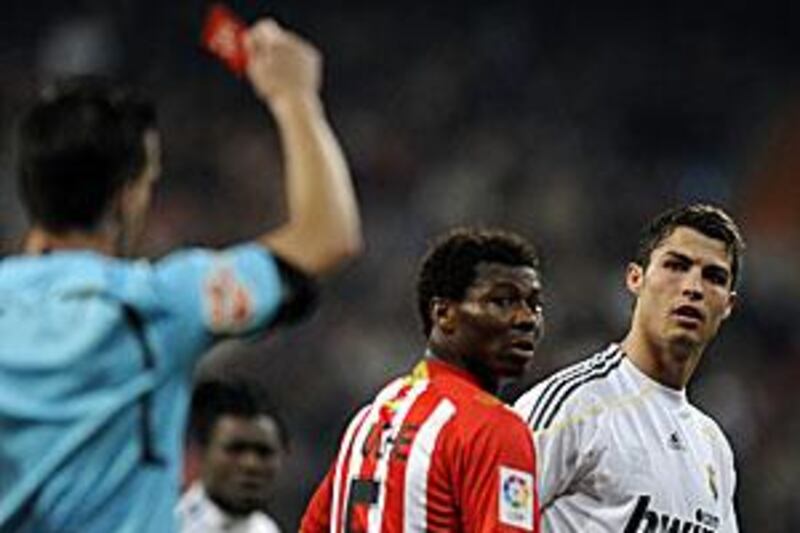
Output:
x=242 y=444
x=620 y=447
x=436 y=450
x=96 y=352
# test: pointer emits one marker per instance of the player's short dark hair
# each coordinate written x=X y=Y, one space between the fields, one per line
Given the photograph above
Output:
x=448 y=268
x=710 y=220
x=214 y=399
x=78 y=145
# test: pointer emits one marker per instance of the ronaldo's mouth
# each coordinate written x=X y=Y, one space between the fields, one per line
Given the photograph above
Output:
x=689 y=312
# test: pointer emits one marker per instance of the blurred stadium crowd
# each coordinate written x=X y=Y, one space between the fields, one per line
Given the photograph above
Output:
x=572 y=125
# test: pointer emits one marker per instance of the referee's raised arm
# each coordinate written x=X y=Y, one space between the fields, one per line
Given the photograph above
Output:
x=323 y=228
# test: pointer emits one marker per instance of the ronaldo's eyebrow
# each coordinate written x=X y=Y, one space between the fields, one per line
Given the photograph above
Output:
x=678 y=255
x=714 y=268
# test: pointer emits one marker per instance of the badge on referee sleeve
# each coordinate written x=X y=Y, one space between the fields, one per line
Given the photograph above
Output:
x=516 y=498
x=228 y=302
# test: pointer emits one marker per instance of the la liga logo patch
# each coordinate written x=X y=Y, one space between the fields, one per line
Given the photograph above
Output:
x=228 y=301
x=516 y=498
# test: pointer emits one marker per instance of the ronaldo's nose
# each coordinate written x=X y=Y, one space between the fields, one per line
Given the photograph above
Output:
x=693 y=284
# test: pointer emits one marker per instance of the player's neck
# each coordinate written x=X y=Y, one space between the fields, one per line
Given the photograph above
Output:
x=226 y=508
x=669 y=365
x=486 y=380
x=39 y=241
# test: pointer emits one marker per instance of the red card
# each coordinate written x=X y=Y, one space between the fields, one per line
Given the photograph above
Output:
x=223 y=36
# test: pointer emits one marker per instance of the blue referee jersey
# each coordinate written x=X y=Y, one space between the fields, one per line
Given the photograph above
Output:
x=96 y=357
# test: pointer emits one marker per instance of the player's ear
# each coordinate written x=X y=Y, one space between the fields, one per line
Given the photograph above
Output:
x=124 y=201
x=117 y=206
x=442 y=314
x=733 y=303
x=634 y=277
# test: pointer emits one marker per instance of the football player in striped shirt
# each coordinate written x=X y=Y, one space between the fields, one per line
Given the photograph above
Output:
x=620 y=447
x=436 y=450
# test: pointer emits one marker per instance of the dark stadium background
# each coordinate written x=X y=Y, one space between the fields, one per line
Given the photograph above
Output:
x=572 y=124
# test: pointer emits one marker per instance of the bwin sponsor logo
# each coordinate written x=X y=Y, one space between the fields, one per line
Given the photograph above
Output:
x=644 y=520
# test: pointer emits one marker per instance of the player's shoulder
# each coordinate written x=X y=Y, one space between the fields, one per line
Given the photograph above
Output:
x=81 y=275
x=573 y=387
x=192 y=508
x=479 y=413
x=712 y=430
x=59 y=270
x=194 y=254
x=470 y=401
x=389 y=394
x=399 y=385
x=216 y=270
x=263 y=523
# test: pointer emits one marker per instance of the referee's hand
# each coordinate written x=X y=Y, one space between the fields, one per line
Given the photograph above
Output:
x=281 y=64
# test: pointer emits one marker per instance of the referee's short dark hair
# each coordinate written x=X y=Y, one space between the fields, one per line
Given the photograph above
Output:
x=448 y=267
x=710 y=220
x=78 y=145
x=214 y=399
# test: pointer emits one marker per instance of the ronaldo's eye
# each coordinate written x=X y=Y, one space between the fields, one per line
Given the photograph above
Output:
x=675 y=265
x=717 y=277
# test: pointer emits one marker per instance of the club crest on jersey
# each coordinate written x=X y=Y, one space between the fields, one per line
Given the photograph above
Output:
x=516 y=498
x=228 y=302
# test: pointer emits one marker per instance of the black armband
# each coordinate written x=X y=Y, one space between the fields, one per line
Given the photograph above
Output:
x=300 y=294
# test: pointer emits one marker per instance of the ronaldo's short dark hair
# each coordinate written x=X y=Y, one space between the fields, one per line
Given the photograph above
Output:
x=82 y=140
x=710 y=220
x=448 y=267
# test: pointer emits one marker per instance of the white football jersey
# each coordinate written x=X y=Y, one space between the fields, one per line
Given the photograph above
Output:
x=197 y=513
x=618 y=452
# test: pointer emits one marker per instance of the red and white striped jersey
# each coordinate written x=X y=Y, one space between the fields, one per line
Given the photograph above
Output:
x=433 y=452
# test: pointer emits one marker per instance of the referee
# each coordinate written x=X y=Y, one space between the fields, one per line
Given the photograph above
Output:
x=96 y=351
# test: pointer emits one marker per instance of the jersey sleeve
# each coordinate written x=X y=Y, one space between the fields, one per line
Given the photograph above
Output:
x=234 y=291
x=324 y=507
x=561 y=445
x=317 y=517
x=729 y=520
x=239 y=291
x=497 y=486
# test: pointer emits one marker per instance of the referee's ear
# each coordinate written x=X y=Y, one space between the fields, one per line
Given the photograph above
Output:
x=634 y=276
